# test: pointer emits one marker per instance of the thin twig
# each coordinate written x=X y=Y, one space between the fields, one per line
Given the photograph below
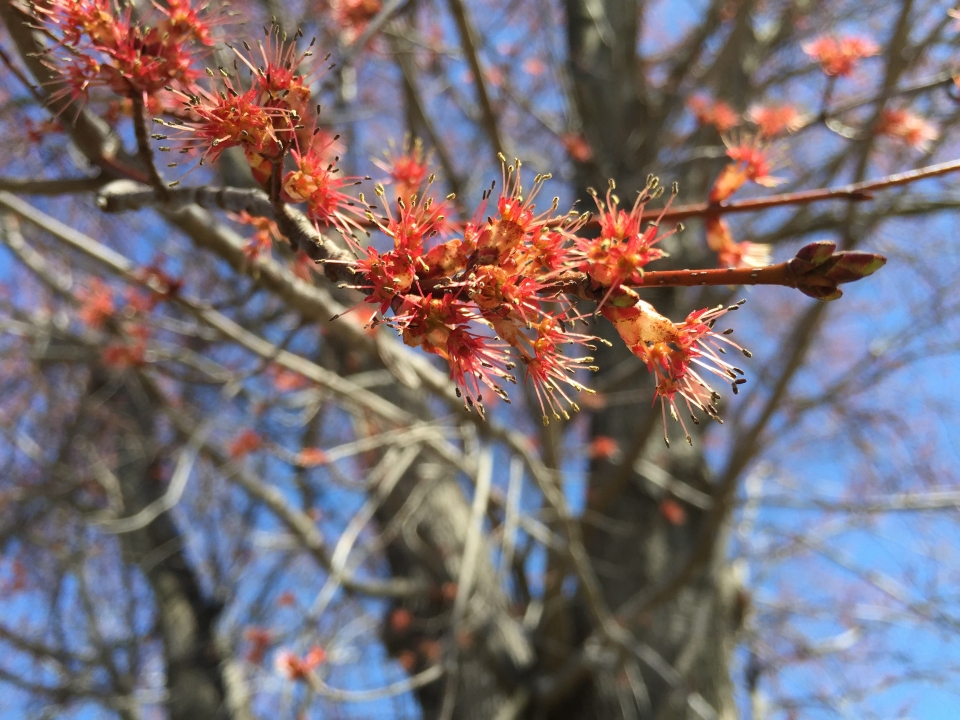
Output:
x=468 y=566
x=431 y=674
x=468 y=40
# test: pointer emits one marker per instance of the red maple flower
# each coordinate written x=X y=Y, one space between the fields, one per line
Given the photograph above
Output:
x=292 y=667
x=107 y=47
x=731 y=253
x=391 y=274
x=259 y=639
x=312 y=457
x=400 y=620
x=96 y=304
x=577 y=147
x=321 y=186
x=441 y=326
x=678 y=354
x=245 y=443
x=623 y=248
x=407 y=168
x=603 y=448
x=752 y=160
x=285 y=380
x=264 y=235
x=229 y=118
x=714 y=112
x=775 y=119
x=907 y=127
x=130 y=352
x=673 y=511
x=280 y=82
x=839 y=56
x=353 y=16
x=515 y=218
x=550 y=370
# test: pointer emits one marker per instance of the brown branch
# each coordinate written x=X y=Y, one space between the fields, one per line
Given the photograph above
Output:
x=125 y=196
x=144 y=151
x=854 y=191
x=468 y=40
x=51 y=186
x=404 y=62
x=816 y=273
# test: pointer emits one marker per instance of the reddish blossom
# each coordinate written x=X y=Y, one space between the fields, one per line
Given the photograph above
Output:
x=400 y=620
x=534 y=66
x=407 y=168
x=131 y=352
x=312 y=457
x=108 y=48
x=245 y=443
x=839 y=56
x=623 y=248
x=551 y=371
x=320 y=185
x=393 y=273
x=123 y=356
x=752 y=160
x=265 y=234
x=677 y=354
x=407 y=660
x=515 y=216
x=731 y=253
x=603 y=448
x=714 y=112
x=744 y=254
x=353 y=16
x=441 y=327
x=260 y=640
x=907 y=127
x=292 y=667
x=231 y=118
x=577 y=147
x=96 y=304
x=775 y=119
x=673 y=511
x=277 y=76
x=286 y=380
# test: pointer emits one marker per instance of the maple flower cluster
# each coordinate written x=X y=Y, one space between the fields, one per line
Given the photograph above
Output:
x=98 y=46
x=477 y=300
x=489 y=300
x=839 y=56
x=490 y=296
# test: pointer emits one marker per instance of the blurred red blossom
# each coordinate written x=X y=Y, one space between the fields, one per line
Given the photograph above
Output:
x=839 y=56
x=907 y=127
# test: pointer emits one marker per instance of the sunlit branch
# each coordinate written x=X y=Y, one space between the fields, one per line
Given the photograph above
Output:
x=431 y=674
x=855 y=191
x=903 y=502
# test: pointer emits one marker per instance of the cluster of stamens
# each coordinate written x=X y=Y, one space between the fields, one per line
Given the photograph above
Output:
x=487 y=295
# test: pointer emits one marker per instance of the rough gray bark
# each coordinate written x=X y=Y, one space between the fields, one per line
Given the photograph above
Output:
x=633 y=546
x=428 y=529
x=118 y=408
